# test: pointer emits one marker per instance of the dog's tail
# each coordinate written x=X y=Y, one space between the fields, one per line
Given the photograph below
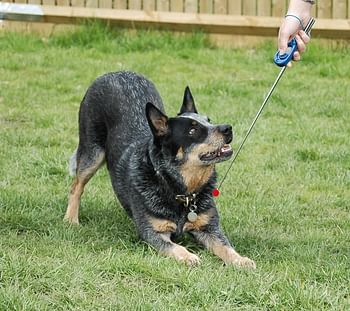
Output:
x=73 y=164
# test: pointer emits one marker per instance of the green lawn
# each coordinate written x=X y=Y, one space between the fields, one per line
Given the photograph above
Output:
x=285 y=203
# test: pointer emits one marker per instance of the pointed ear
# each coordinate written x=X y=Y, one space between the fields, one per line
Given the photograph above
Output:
x=188 y=103
x=157 y=121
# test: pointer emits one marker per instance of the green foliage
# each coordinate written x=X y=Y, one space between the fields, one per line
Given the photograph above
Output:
x=285 y=203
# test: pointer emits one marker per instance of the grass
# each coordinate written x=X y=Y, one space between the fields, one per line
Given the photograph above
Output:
x=285 y=203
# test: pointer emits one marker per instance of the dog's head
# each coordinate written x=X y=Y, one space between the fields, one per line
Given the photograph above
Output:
x=190 y=137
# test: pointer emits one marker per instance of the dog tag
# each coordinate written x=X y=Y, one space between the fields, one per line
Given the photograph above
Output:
x=192 y=216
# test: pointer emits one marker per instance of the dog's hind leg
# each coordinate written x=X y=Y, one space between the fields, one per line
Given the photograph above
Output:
x=88 y=161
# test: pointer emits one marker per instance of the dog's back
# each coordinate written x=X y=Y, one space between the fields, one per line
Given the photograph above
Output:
x=112 y=112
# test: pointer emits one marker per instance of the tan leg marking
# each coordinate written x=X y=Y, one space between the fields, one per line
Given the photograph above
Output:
x=74 y=202
x=77 y=189
x=230 y=256
x=202 y=220
x=180 y=253
x=162 y=225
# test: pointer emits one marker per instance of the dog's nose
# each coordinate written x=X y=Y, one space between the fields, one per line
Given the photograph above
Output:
x=225 y=129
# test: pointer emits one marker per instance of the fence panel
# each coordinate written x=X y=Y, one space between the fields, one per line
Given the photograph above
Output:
x=234 y=7
x=135 y=4
x=163 y=5
x=191 y=6
x=220 y=7
x=61 y=2
x=176 y=6
x=105 y=4
x=329 y=9
x=264 y=8
x=79 y=3
x=48 y=2
x=249 y=7
x=205 y=6
x=279 y=8
x=339 y=9
x=120 y=4
x=149 y=5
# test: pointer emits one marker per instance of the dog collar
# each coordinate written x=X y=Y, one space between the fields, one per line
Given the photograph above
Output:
x=189 y=201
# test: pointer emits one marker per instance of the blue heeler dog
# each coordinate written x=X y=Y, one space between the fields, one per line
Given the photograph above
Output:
x=162 y=169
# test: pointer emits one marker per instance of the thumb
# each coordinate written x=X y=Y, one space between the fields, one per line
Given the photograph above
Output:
x=283 y=39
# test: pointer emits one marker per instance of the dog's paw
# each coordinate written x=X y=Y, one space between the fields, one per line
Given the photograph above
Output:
x=246 y=262
x=192 y=260
x=71 y=220
x=183 y=255
x=242 y=262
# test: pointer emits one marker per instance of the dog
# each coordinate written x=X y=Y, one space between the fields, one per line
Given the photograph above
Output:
x=162 y=169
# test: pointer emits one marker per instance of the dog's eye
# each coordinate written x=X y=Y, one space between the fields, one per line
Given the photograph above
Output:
x=192 y=131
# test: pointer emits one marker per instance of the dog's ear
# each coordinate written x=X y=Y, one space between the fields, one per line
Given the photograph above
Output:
x=157 y=121
x=188 y=103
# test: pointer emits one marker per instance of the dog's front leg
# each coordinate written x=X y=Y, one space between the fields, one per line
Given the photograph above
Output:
x=157 y=233
x=216 y=242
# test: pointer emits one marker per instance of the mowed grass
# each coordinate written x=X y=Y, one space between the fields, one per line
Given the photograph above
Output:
x=285 y=203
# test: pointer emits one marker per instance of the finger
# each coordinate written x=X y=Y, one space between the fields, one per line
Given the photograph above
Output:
x=304 y=36
x=283 y=39
x=296 y=56
x=290 y=26
x=300 y=43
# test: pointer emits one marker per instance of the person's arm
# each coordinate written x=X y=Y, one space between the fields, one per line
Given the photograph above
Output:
x=298 y=15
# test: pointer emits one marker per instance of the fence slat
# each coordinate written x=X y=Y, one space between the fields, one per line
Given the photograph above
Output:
x=91 y=3
x=34 y=1
x=149 y=5
x=314 y=10
x=264 y=8
x=206 y=6
x=48 y=2
x=120 y=4
x=249 y=7
x=324 y=9
x=220 y=7
x=106 y=4
x=234 y=7
x=176 y=6
x=134 y=4
x=339 y=9
x=61 y=2
x=191 y=6
x=278 y=8
x=163 y=5
x=77 y=3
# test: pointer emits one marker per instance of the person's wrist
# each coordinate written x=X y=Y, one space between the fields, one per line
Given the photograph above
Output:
x=301 y=9
x=309 y=1
x=296 y=18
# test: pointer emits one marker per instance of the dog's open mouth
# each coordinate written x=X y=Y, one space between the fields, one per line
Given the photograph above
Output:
x=220 y=154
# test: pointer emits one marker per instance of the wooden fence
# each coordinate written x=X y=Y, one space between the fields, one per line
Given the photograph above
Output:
x=329 y=9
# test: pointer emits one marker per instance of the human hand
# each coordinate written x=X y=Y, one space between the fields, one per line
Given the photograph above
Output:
x=291 y=28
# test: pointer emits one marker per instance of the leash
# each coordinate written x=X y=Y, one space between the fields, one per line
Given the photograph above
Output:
x=281 y=61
